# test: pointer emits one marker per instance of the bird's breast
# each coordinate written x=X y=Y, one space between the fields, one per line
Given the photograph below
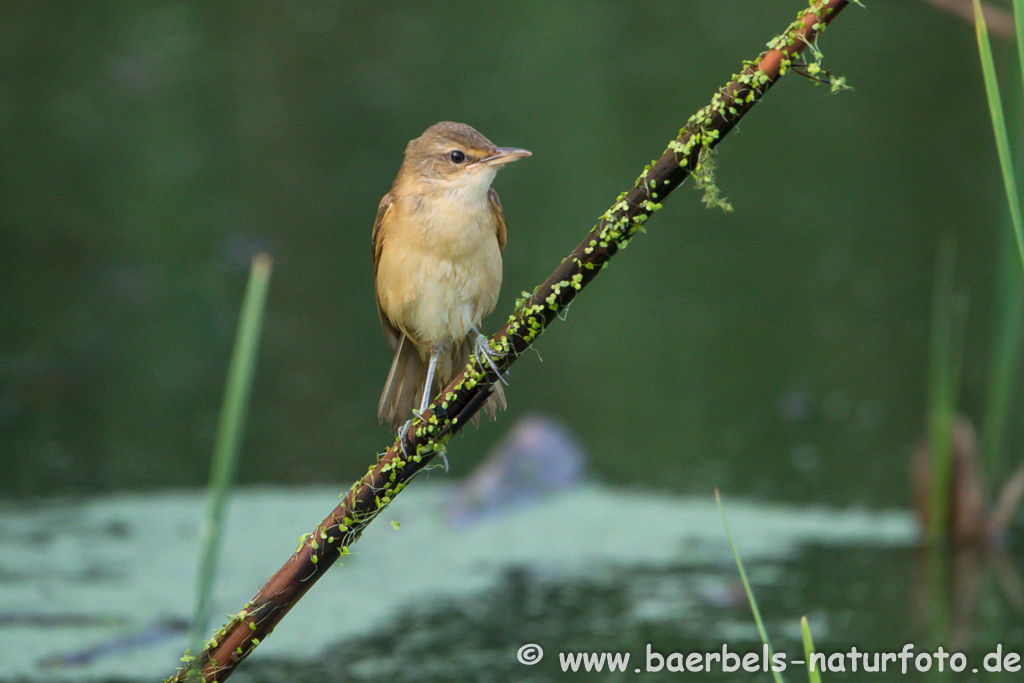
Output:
x=439 y=271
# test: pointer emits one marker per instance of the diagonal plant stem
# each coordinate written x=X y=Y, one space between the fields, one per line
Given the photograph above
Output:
x=230 y=429
x=995 y=104
x=688 y=154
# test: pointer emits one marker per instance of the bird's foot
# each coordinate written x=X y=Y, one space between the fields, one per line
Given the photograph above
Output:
x=403 y=433
x=483 y=351
x=407 y=448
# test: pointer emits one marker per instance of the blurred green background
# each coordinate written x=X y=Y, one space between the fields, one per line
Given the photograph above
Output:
x=149 y=150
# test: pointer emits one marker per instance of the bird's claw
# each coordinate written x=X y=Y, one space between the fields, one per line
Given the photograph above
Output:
x=483 y=351
x=407 y=448
x=403 y=435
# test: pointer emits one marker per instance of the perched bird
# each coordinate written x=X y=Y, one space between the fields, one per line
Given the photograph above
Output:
x=438 y=242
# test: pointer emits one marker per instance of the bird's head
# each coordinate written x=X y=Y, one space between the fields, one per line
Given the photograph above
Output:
x=455 y=157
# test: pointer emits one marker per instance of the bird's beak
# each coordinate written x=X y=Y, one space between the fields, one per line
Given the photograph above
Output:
x=502 y=155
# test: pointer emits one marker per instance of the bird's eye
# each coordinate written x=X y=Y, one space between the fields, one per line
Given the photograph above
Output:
x=456 y=156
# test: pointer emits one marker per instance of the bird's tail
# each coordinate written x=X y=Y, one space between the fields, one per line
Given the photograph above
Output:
x=403 y=390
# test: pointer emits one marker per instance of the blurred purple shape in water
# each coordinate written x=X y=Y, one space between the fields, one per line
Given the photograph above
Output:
x=538 y=457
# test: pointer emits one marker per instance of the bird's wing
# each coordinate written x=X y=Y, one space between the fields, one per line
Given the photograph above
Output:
x=379 y=230
x=393 y=334
x=499 y=219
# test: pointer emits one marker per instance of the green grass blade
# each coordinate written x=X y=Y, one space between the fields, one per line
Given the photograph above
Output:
x=1018 y=21
x=230 y=427
x=949 y=314
x=995 y=106
x=746 y=586
x=813 y=675
x=1006 y=355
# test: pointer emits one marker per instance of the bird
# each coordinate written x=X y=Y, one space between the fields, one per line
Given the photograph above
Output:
x=438 y=242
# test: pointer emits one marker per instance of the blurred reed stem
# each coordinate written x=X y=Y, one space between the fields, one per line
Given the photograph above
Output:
x=230 y=428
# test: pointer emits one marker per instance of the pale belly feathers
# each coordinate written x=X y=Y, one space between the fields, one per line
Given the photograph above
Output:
x=439 y=282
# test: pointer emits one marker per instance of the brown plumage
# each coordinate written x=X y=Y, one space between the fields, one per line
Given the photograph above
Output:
x=438 y=243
